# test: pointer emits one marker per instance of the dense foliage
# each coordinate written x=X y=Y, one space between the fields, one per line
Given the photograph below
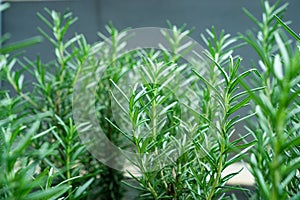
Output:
x=42 y=156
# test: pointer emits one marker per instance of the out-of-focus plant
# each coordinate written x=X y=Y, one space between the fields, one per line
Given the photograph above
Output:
x=20 y=174
x=69 y=160
x=275 y=158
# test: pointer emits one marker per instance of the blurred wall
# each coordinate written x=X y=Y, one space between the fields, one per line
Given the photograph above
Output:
x=21 y=21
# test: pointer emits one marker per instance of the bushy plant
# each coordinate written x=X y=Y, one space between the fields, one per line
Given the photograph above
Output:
x=55 y=136
x=196 y=174
x=274 y=159
x=179 y=120
x=20 y=174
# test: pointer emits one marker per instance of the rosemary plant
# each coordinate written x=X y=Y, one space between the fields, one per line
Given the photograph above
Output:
x=157 y=120
x=223 y=87
x=54 y=82
x=20 y=174
x=275 y=157
x=178 y=118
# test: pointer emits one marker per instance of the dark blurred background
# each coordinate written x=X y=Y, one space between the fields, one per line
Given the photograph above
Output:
x=21 y=21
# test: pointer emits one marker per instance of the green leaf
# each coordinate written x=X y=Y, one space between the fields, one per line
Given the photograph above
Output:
x=254 y=19
x=43 y=133
x=287 y=28
x=294 y=142
x=261 y=182
x=242 y=76
x=241 y=154
x=25 y=142
x=217 y=92
x=239 y=105
x=51 y=194
x=282 y=48
x=83 y=188
x=45 y=20
x=220 y=69
x=20 y=45
x=278 y=71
